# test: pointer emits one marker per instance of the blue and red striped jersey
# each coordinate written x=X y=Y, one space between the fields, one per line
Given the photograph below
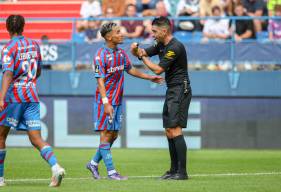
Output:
x=110 y=65
x=22 y=57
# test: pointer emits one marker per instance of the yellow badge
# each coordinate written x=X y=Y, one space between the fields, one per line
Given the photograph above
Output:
x=170 y=55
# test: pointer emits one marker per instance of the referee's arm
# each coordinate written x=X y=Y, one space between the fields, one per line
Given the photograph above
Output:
x=152 y=66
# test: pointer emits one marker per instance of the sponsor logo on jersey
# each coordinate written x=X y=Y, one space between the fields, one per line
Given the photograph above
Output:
x=170 y=55
x=114 y=69
x=97 y=69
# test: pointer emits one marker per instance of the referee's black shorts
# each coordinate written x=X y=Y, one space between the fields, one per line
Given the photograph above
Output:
x=175 y=110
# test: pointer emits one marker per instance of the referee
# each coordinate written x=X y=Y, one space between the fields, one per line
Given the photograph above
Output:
x=173 y=61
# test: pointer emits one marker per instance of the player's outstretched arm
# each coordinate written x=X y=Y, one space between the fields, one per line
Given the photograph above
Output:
x=154 y=78
x=6 y=81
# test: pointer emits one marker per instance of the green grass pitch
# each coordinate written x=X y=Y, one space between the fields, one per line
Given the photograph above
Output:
x=209 y=170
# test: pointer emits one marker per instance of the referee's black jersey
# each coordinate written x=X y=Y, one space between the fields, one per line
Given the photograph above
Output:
x=173 y=60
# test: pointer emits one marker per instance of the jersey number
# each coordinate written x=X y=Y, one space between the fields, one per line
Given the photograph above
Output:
x=26 y=66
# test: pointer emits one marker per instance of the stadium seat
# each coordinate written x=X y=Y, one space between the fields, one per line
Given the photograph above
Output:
x=262 y=36
x=197 y=36
x=183 y=36
x=78 y=37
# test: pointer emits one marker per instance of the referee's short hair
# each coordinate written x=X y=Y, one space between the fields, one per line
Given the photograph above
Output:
x=162 y=22
x=106 y=28
x=15 y=24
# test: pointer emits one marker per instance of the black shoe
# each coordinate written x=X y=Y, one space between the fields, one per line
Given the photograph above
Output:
x=179 y=176
x=167 y=175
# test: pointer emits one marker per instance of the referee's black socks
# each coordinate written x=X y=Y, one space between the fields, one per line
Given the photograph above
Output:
x=173 y=156
x=181 y=148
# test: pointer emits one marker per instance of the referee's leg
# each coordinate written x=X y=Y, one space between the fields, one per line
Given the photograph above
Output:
x=176 y=139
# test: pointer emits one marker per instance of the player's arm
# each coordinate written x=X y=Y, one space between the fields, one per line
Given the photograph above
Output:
x=136 y=73
x=38 y=72
x=39 y=62
x=108 y=109
x=6 y=81
x=8 y=70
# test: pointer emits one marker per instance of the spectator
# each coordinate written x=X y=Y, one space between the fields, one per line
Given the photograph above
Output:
x=205 y=7
x=274 y=27
x=118 y=6
x=132 y=28
x=255 y=8
x=271 y=5
x=189 y=8
x=109 y=13
x=161 y=10
x=92 y=32
x=227 y=6
x=44 y=46
x=89 y=8
x=143 y=5
x=244 y=29
x=216 y=28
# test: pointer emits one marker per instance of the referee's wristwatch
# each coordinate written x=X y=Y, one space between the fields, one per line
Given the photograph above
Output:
x=140 y=57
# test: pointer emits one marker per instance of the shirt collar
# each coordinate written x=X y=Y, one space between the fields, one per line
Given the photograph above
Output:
x=18 y=37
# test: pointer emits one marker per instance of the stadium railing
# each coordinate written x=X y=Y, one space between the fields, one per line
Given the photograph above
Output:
x=259 y=51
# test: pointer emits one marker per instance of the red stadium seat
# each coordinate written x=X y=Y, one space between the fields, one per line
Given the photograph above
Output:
x=55 y=29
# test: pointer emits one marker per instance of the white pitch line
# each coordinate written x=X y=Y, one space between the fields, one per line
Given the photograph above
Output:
x=153 y=176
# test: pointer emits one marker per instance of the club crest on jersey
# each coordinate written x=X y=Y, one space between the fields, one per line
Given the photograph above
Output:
x=5 y=50
x=6 y=59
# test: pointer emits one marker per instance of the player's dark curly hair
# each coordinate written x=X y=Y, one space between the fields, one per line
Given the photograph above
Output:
x=106 y=28
x=15 y=24
x=162 y=22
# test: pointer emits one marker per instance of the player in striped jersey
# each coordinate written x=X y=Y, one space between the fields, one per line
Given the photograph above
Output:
x=110 y=62
x=19 y=102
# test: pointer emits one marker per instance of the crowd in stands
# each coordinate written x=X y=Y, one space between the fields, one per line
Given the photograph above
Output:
x=215 y=28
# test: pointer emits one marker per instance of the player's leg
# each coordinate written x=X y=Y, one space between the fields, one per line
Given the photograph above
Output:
x=92 y=165
x=4 y=131
x=8 y=112
x=31 y=123
x=116 y=127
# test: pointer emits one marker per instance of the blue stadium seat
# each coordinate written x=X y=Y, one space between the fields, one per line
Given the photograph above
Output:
x=197 y=36
x=78 y=37
x=183 y=36
x=262 y=36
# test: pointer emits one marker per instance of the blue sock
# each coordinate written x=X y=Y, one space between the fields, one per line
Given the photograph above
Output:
x=48 y=154
x=104 y=149
x=98 y=157
x=2 y=159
